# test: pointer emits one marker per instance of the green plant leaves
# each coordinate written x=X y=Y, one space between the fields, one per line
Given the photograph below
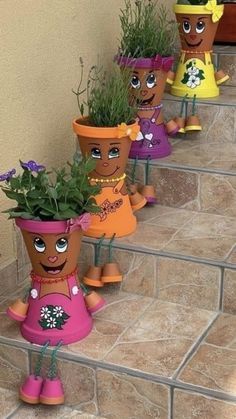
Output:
x=67 y=195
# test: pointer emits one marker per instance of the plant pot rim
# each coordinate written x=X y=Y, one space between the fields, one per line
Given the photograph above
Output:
x=54 y=227
x=81 y=128
x=157 y=62
x=195 y=9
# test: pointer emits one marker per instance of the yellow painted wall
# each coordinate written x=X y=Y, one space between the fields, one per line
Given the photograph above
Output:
x=40 y=45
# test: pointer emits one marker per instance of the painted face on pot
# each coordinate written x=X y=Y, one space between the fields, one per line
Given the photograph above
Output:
x=110 y=155
x=147 y=86
x=197 y=32
x=53 y=255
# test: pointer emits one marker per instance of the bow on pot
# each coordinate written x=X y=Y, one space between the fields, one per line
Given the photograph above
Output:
x=82 y=222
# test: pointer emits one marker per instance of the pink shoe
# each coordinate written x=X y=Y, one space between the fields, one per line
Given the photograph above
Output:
x=31 y=389
x=52 y=392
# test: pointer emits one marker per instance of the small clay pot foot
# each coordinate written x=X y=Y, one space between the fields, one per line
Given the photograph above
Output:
x=31 y=389
x=93 y=276
x=52 y=392
x=111 y=273
x=18 y=310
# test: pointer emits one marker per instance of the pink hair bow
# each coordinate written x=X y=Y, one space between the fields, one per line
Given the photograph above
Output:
x=82 y=222
x=162 y=62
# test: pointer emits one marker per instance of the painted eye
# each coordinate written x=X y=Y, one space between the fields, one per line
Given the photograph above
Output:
x=200 y=26
x=135 y=82
x=186 y=27
x=151 y=81
x=61 y=245
x=39 y=245
x=114 y=152
x=96 y=153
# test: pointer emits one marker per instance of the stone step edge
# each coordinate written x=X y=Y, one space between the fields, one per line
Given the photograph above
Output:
x=210 y=101
x=184 y=168
x=161 y=253
x=113 y=368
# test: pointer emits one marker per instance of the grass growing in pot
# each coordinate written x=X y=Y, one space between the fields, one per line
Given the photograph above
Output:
x=107 y=103
x=146 y=29
x=105 y=133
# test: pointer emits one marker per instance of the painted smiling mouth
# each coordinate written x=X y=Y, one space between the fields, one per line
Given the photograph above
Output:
x=146 y=101
x=111 y=174
x=53 y=270
x=193 y=45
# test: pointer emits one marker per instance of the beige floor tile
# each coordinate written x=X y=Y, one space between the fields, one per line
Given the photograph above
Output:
x=9 y=401
x=122 y=308
x=150 y=236
x=100 y=340
x=50 y=412
x=159 y=340
x=218 y=194
x=174 y=187
x=164 y=216
x=195 y=406
x=223 y=332
x=141 y=276
x=208 y=237
x=13 y=366
x=188 y=283
x=229 y=294
x=212 y=367
x=121 y=396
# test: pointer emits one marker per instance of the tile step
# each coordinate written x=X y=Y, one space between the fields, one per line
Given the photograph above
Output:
x=196 y=176
x=217 y=116
x=225 y=56
x=149 y=357
x=177 y=255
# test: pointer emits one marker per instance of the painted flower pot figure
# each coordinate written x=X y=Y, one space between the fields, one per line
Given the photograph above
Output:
x=52 y=216
x=106 y=135
x=195 y=75
x=147 y=45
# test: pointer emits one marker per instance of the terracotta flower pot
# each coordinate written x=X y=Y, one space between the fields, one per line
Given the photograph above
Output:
x=226 y=31
x=111 y=273
x=180 y=121
x=148 y=80
x=56 y=301
x=148 y=191
x=137 y=201
x=94 y=302
x=18 y=310
x=109 y=147
x=195 y=74
x=93 y=276
x=193 y=124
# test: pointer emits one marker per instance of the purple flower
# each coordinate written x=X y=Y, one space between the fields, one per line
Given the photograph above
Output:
x=8 y=175
x=32 y=166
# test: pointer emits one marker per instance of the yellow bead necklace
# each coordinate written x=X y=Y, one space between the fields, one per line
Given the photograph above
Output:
x=116 y=179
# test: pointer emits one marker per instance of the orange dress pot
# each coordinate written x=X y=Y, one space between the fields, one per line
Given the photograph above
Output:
x=109 y=147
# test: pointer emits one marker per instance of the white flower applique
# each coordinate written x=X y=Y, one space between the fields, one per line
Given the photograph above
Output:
x=53 y=317
x=193 y=75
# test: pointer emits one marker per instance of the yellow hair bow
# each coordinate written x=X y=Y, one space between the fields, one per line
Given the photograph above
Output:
x=215 y=9
x=131 y=131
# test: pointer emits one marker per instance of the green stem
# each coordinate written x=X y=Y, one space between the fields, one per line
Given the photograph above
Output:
x=194 y=105
x=52 y=373
x=98 y=250
x=147 y=170
x=38 y=366
x=110 y=249
x=134 y=170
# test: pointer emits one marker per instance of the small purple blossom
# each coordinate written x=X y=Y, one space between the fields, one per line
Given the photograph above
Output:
x=8 y=175
x=32 y=166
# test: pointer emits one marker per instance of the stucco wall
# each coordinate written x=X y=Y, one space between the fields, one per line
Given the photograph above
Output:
x=40 y=44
